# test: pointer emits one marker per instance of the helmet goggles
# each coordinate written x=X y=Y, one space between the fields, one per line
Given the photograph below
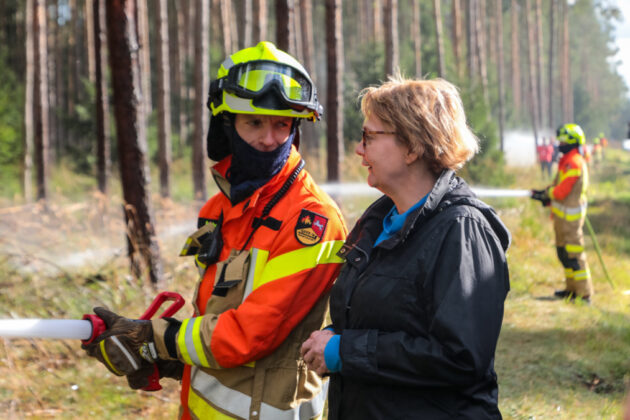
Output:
x=254 y=79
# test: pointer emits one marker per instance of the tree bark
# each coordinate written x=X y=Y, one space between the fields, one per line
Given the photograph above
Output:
x=550 y=62
x=228 y=47
x=457 y=36
x=516 y=65
x=542 y=112
x=310 y=133
x=103 y=158
x=471 y=41
x=89 y=30
x=259 y=12
x=498 y=4
x=245 y=24
x=334 y=94
x=163 y=98
x=181 y=82
x=144 y=42
x=284 y=10
x=199 y=105
x=41 y=100
x=481 y=47
x=378 y=21
x=28 y=102
x=437 y=16
x=567 y=93
x=532 y=88
x=132 y=141
x=391 y=36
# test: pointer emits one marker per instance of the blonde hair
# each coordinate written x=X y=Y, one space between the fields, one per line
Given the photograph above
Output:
x=428 y=117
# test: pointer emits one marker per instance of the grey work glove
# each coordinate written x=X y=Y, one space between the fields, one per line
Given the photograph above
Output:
x=126 y=346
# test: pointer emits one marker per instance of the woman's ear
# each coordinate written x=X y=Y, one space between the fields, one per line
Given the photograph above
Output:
x=413 y=155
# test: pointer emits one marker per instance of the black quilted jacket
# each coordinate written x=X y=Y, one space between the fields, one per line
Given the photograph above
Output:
x=420 y=314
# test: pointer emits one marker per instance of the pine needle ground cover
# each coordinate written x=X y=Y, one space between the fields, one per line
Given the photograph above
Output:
x=555 y=359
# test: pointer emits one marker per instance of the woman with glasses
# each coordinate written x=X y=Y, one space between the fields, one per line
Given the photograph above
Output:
x=266 y=249
x=418 y=306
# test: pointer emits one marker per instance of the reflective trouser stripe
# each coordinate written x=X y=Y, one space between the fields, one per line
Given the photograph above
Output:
x=190 y=344
x=581 y=275
x=568 y=273
x=569 y=214
x=574 y=249
x=231 y=401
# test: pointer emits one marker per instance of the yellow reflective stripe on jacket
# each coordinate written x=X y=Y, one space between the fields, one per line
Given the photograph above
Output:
x=574 y=249
x=190 y=343
x=237 y=403
x=299 y=260
x=575 y=172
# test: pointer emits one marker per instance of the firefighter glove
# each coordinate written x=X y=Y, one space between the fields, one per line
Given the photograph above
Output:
x=167 y=368
x=541 y=195
x=126 y=346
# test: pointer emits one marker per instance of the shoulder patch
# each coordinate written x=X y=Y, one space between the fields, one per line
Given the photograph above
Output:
x=310 y=227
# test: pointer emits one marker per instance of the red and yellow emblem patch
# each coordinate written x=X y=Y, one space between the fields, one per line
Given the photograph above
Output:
x=310 y=227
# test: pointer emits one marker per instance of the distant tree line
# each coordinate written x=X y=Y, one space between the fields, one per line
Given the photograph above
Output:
x=520 y=64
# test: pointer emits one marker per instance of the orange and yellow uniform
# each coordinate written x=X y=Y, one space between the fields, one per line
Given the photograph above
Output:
x=568 y=207
x=260 y=301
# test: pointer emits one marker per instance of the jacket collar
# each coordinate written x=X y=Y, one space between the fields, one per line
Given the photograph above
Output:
x=274 y=184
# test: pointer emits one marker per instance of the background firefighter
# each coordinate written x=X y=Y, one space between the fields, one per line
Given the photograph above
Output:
x=266 y=250
x=567 y=198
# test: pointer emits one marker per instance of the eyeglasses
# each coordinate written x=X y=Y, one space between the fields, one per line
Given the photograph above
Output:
x=365 y=133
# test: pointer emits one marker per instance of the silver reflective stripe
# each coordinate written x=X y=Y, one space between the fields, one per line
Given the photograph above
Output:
x=124 y=350
x=304 y=411
x=238 y=404
x=250 y=276
x=227 y=63
x=570 y=210
x=190 y=343
x=228 y=399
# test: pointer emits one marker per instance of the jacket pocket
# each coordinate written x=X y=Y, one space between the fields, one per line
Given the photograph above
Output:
x=229 y=282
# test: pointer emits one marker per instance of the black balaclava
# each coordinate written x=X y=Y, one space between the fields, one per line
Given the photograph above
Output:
x=250 y=168
x=565 y=148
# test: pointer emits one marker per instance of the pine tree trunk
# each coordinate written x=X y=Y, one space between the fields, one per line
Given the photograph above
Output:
x=567 y=93
x=417 y=38
x=29 y=91
x=542 y=112
x=181 y=81
x=163 y=98
x=532 y=88
x=41 y=100
x=550 y=62
x=457 y=36
x=53 y=94
x=259 y=12
x=391 y=36
x=89 y=30
x=481 y=47
x=378 y=21
x=225 y=6
x=103 y=158
x=244 y=24
x=334 y=94
x=284 y=10
x=516 y=54
x=471 y=41
x=199 y=105
x=498 y=4
x=437 y=17
x=144 y=43
x=132 y=142
x=310 y=132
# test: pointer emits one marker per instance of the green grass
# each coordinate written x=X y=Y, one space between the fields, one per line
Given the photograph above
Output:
x=555 y=360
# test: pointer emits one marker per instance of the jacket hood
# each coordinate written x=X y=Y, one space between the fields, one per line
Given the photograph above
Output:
x=448 y=191
x=457 y=192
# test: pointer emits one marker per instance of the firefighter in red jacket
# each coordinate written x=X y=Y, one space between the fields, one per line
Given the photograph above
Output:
x=266 y=248
x=567 y=197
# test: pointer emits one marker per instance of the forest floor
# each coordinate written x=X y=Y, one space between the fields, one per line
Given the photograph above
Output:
x=555 y=360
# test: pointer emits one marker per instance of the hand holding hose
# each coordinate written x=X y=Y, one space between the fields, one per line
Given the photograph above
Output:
x=542 y=196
